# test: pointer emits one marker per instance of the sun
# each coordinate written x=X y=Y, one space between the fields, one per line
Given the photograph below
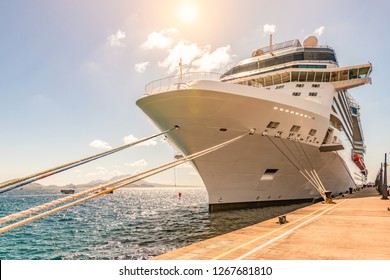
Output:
x=187 y=12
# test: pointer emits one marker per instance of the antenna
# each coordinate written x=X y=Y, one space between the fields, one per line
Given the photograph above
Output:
x=270 y=43
x=181 y=69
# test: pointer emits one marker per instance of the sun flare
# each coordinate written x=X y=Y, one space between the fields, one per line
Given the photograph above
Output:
x=187 y=12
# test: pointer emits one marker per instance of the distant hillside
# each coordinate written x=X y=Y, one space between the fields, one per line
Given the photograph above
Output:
x=95 y=183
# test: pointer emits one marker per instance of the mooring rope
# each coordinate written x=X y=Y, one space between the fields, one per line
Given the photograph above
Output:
x=305 y=154
x=311 y=177
x=296 y=159
x=19 y=182
x=312 y=172
x=296 y=167
x=103 y=188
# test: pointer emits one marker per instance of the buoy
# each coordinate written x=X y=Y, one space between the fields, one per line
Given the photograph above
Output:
x=179 y=195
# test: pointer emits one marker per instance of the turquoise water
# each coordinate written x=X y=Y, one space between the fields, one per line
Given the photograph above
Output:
x=130 y=224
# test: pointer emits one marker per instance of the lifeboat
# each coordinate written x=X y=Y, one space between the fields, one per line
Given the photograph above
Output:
x=360 y=163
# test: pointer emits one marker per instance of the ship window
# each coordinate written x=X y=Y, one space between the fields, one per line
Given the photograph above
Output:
x=310 y=76
x=298 y=56
x=294 y=76
x=326 y=77
x=324 y=54
x=300 y=85
x=312 y=132
x=279 y=87
x=295 y=128
x=310 y=66
x=273 y=125
x=313 y=93
x=315 y=85
x=296 y=93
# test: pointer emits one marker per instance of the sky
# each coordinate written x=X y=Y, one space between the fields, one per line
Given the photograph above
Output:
x=72 y=70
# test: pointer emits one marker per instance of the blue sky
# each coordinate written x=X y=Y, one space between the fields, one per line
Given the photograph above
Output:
x=71 y=71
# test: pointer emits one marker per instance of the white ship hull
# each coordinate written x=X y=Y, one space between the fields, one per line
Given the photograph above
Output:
x=257 y=170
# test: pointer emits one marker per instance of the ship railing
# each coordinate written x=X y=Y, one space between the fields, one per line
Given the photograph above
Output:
x=251 y=83
x=178 y=82
x=351 y=82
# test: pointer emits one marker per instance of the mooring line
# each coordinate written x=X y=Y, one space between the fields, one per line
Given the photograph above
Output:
x=290 y=150
x=283 y=153
x=99 y=188
x=104 y=190
x=19 y=182
x=309 y=177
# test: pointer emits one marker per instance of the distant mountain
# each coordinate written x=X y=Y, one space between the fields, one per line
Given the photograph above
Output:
x=95 y=183
x=34 y=186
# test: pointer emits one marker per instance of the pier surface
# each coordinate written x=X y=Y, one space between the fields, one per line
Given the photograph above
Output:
x=356 y=227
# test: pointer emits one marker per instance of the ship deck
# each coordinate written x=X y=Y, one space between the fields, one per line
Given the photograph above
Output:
x=356 y=227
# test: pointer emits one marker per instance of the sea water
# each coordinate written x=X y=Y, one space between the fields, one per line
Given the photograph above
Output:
x=131 y=224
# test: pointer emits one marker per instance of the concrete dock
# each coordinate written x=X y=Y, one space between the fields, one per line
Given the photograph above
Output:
x=356 y=227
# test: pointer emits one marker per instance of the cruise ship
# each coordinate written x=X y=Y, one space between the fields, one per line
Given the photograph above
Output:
x=306 y=139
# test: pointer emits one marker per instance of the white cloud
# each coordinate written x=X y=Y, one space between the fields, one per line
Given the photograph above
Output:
x=187 y=52
x=141 y=67
x=116 y=172
x=269 y=28
x=115 y=40
x=319 y=31
x=100 y=171
x=138 y=163
x=104 y=173
x=99 y=144
x=131 y=138
x=212 y=61
x=160 y=40
x=194 y=57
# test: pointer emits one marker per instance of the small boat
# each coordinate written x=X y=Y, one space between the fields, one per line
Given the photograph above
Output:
x=67 y=191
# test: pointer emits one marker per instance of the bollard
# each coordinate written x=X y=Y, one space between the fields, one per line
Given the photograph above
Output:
x=328 y=195
x=282 y=219
x=383 y=191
